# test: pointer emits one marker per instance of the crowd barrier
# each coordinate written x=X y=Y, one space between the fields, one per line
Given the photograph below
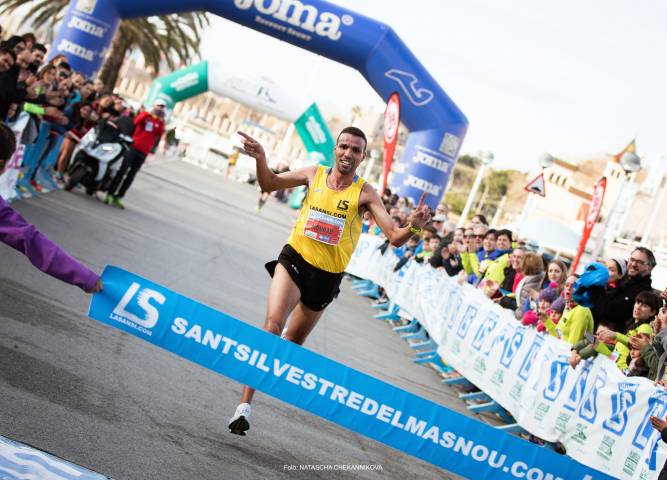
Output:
x=601 y=416
x=15 y=180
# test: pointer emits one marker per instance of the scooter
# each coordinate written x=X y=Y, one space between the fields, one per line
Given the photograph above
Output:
x=97 y=158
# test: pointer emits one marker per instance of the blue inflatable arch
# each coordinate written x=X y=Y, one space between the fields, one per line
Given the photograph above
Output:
x=437 y=126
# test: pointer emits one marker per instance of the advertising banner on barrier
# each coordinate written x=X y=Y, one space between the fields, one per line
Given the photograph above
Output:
x=601 y=416
x=322 y=386
x=10 y=175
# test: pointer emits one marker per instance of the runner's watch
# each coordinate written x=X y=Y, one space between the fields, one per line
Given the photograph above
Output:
x=415 y=230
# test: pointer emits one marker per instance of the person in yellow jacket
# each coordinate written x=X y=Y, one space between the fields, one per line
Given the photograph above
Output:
x=495 y=267
x=576 y=319
x=308 y=272
x=646 y=307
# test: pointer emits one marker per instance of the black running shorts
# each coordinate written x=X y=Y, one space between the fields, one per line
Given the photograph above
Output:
x=318 y=287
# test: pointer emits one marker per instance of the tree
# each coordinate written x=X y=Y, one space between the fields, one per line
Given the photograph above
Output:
x=470 y=161
x=174 y=38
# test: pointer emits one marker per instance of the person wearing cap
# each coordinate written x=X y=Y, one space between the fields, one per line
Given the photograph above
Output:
x=439 y=224
x=549 y=324
x=617 y=267
x=148 y=129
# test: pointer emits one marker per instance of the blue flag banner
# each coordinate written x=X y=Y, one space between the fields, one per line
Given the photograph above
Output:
x=321 y=386
x=19 y=461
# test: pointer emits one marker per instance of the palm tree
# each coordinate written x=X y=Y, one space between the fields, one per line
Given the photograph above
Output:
x=174 y=38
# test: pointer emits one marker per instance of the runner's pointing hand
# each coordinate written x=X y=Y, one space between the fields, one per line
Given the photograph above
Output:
x=252 y=147
x=421 y=215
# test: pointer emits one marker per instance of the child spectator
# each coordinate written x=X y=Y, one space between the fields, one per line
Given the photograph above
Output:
x=637 y=366
x=533 y=270
x=646 y=307
x=448 y=258
x=406 y=252
x=549 y=324
x=584 y=349
x=547 y=297
x=654 y=351
x=429 y=247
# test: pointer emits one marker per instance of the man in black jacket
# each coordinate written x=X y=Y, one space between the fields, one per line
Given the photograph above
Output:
x=615 y=307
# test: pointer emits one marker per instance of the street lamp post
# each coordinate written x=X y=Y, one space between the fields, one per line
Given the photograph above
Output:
x=486 y=158
x=630 y=163
x=545 y=161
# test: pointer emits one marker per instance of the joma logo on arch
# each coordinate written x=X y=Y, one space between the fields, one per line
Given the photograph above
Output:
x=294 y=12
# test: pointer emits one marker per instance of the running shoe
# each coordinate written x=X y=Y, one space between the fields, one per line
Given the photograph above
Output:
x=37 y=186
x=238 y=424
x=117 y=203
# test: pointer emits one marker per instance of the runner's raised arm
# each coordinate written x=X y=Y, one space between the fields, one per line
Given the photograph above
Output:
x=267 y=179
x=417 y=219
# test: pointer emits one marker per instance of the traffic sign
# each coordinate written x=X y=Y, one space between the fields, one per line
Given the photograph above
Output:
x=536 y=185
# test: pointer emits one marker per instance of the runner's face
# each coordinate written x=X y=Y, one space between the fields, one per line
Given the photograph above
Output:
x=350 y=151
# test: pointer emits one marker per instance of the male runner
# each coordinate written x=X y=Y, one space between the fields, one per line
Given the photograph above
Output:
x=308 y=272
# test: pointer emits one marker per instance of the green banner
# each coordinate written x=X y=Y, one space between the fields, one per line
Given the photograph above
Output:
x=316 y=137
x=179 y=85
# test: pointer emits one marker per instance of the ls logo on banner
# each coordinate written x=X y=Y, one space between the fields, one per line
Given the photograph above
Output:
x=150 y=313
x=321 y=386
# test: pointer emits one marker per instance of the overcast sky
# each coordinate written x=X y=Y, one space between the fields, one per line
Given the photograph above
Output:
x=572 y=78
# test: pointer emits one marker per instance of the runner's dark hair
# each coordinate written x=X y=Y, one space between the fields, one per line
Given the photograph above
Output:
x=357 y=132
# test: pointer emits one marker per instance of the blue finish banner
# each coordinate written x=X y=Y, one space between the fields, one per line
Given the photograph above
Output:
x=321 y=386
x=437 y=126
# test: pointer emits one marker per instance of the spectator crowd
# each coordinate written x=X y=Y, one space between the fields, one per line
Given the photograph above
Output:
x=51 y=107
x=609 y=309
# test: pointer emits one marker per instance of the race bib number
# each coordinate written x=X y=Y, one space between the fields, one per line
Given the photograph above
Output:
x=149 y=126
x=323 y=227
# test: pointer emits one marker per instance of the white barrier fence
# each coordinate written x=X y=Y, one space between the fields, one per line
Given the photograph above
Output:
x=10 y=175
x=601 y=416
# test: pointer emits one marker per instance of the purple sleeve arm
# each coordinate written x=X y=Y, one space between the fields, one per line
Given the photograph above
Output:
x=48 y=257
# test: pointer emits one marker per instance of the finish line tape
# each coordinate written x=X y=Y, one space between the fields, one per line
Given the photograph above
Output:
x=321 y=386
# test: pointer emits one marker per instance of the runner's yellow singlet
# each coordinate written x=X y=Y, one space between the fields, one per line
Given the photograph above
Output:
x=329 y=225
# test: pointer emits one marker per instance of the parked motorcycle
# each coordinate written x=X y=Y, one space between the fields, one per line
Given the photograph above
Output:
x=97 y=158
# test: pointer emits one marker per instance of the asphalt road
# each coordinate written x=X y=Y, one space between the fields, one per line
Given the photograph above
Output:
x=108 y=401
